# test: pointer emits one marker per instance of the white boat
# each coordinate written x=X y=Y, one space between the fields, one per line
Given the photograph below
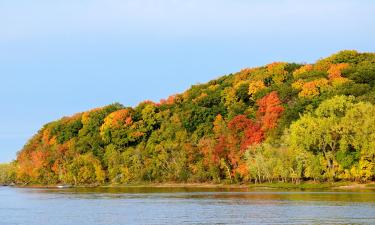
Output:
x=64 y=186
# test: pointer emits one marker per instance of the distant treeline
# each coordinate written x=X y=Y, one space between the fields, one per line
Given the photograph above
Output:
x=280 y=122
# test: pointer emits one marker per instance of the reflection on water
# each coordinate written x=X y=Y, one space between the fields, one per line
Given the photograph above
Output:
x=131 y=205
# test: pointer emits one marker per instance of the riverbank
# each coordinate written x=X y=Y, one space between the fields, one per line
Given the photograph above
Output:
x=301 y=186
x=276 y=186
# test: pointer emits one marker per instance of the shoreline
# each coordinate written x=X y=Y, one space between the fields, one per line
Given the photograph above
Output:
x=275 y=186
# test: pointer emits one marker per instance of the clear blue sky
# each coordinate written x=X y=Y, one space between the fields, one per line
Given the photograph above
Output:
x=66 y=56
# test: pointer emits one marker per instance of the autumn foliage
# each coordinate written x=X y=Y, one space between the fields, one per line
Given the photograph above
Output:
x=235 y=136
x=270 y=110
x=257 y=125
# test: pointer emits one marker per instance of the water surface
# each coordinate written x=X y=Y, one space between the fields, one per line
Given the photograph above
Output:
x=112 y=206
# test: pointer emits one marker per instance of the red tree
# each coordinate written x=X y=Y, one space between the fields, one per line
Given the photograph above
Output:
x=270 y=110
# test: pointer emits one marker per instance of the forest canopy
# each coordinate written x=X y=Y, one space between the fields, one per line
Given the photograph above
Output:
x=279 y=122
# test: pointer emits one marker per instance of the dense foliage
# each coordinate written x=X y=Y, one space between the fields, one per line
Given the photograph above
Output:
x=280 y=122
x=7 y=173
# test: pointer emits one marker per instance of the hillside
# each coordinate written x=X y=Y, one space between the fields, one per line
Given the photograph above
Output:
x=279 y=122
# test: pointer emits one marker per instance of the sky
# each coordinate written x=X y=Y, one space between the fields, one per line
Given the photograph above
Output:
x=66 y=56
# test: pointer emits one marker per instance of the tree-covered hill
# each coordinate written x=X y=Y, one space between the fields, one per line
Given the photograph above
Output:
x=279 y=122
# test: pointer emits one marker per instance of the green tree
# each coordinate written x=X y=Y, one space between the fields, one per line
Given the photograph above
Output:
x=86 y=169
x=341 y=130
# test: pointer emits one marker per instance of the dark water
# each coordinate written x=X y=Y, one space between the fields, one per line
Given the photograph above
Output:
x=110 y=206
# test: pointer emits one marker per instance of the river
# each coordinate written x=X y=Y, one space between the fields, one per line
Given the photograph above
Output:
x=151 y=205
